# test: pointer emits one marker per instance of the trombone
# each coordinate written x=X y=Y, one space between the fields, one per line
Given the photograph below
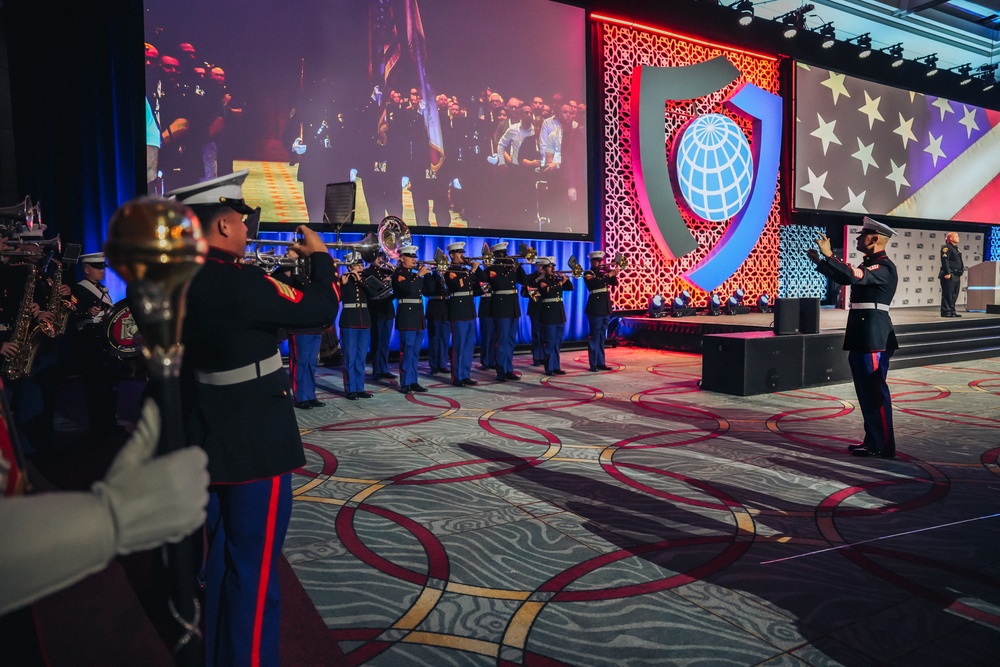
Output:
x=367 y=246
x=576 y=270
x=524 y=252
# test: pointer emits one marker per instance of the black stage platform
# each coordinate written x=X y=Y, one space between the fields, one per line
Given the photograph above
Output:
x=741 y=355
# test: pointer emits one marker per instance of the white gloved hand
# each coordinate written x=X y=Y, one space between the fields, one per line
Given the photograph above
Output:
x=354 y=175
x=154 y=500
x=455 y=184
x=298 y=147
x=493 y=159
x=66 y=535
x=405 y=182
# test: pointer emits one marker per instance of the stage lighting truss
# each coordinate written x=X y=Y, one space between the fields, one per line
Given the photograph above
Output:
x=680 y=306
x=829 y=35
x=795 y=20
x=864 y=43
x=745 y=9
x=764 y=303
x=931 y=62
x=896 y=53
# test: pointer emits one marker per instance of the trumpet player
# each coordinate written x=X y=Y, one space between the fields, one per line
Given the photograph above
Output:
x=598 y=308
x=551 y=285
x=530 y=290
x=408 y=288
x=355 y=326
x=303 y=344
x=461 y=313
x=383 y=312
x=504 y=275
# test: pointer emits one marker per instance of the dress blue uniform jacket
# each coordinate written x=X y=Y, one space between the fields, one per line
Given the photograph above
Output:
x=503 y=280
x=234 y=313
x=870 y=329
x=553 y=312
x=600 y=303
x=407 y=285
x=461 y=305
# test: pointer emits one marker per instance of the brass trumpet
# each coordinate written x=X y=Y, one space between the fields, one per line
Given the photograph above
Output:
x=576 y=270
x=367 y=246
x=487 y=257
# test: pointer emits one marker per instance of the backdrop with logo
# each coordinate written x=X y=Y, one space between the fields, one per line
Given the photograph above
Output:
x=622 y=48
x=917 y=256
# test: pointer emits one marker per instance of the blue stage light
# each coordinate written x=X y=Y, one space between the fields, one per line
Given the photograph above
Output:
x=657 y=306
x=714 y=304
x=764 y=303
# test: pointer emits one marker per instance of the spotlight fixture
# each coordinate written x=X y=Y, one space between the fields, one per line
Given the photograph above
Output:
x=657 y=306
x=764 y=303
x=794 y=21
x=734 y=306
x=985 y=72
x=964 y=71
x=680 y=306
x=864 y=43
x=931 y=62
x=829 y=35
x=714 y=304
x=745 y=10
x=896 y=53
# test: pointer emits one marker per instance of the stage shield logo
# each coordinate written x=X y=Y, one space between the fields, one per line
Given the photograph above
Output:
x=714 y=172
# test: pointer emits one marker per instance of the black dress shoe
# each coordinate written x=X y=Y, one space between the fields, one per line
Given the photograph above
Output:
x=303 y=405
x=605 y=368
x=485 y=367
x=387 y=376
x=513 y=376
x=537 y=363
x=418 y=388
x=864 y=451
x=351 y=395
x=955 y=315
x=406 y=389
x=549 y=374
x=315 y=403
x=851 y=448
x=458 y=383
x=593 y=369
x=365 y=394
x=559 y=371
x=501 y=377
x=469 y=382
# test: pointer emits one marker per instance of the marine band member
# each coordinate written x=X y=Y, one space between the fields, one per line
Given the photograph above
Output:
x=408 y=288
x=461 y=313
x=552 y=316
x=355 y=326
x=598 y=308
x=504 y=277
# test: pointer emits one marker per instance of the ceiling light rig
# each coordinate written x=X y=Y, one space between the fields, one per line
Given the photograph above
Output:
x=896 y=53
x=986 y=73
x=795 y=20
x=864 y=43
x=965 y=72
x=931 y=62
x=745 y=10
x=829 y=35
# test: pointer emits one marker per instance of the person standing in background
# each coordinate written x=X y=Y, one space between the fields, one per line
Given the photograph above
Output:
x=950 y=274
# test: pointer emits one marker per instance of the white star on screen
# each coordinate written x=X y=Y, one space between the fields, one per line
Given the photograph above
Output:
x=905 y=130
x=836 y=85
x=864 y=155
x=825 y=133
x=969 y=120
x=897 y=175
x=944 y=105
x=816 y=187
x=934 y=147
x=870 y=109
x=855 y=203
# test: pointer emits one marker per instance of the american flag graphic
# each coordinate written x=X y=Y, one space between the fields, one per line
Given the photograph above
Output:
x=865 y=147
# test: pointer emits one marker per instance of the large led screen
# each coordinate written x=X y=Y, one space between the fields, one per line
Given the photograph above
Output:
x=450 y=114
x=865 y=147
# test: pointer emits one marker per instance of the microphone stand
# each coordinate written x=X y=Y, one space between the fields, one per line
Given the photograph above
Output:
x=156 y=247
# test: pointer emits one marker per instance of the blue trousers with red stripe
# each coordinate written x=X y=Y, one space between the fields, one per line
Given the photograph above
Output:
x=354 y=346
x=303 y=353
x=869 y=370
x=245 y=530
x=409 y=353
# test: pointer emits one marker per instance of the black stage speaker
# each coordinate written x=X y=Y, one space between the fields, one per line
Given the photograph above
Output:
x=756 y=362
x=786 y=316
x=809 y=315
x=824 y=360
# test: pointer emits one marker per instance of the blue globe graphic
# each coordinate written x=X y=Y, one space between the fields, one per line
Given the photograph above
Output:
x=713 y=167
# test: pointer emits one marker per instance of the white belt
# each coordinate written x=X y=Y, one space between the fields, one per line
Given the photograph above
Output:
x=870 y=306
x=599 y=290
x=411 y=300
x=242 y=374
x=505 y=291
x=461 y=293
x=355 y=305
x=555 y=300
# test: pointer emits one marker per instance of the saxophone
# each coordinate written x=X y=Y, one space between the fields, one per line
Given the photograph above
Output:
x=18 y=366
x=58 y=306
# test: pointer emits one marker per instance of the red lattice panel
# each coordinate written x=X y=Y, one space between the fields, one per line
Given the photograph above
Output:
x=625 y=230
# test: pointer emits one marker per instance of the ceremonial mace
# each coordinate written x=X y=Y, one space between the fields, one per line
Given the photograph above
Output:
x=156 y=246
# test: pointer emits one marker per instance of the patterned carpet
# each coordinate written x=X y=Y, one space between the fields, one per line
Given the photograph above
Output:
x=629 y=518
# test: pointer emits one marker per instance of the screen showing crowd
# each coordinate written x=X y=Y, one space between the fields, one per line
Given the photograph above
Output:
x=448 y=114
